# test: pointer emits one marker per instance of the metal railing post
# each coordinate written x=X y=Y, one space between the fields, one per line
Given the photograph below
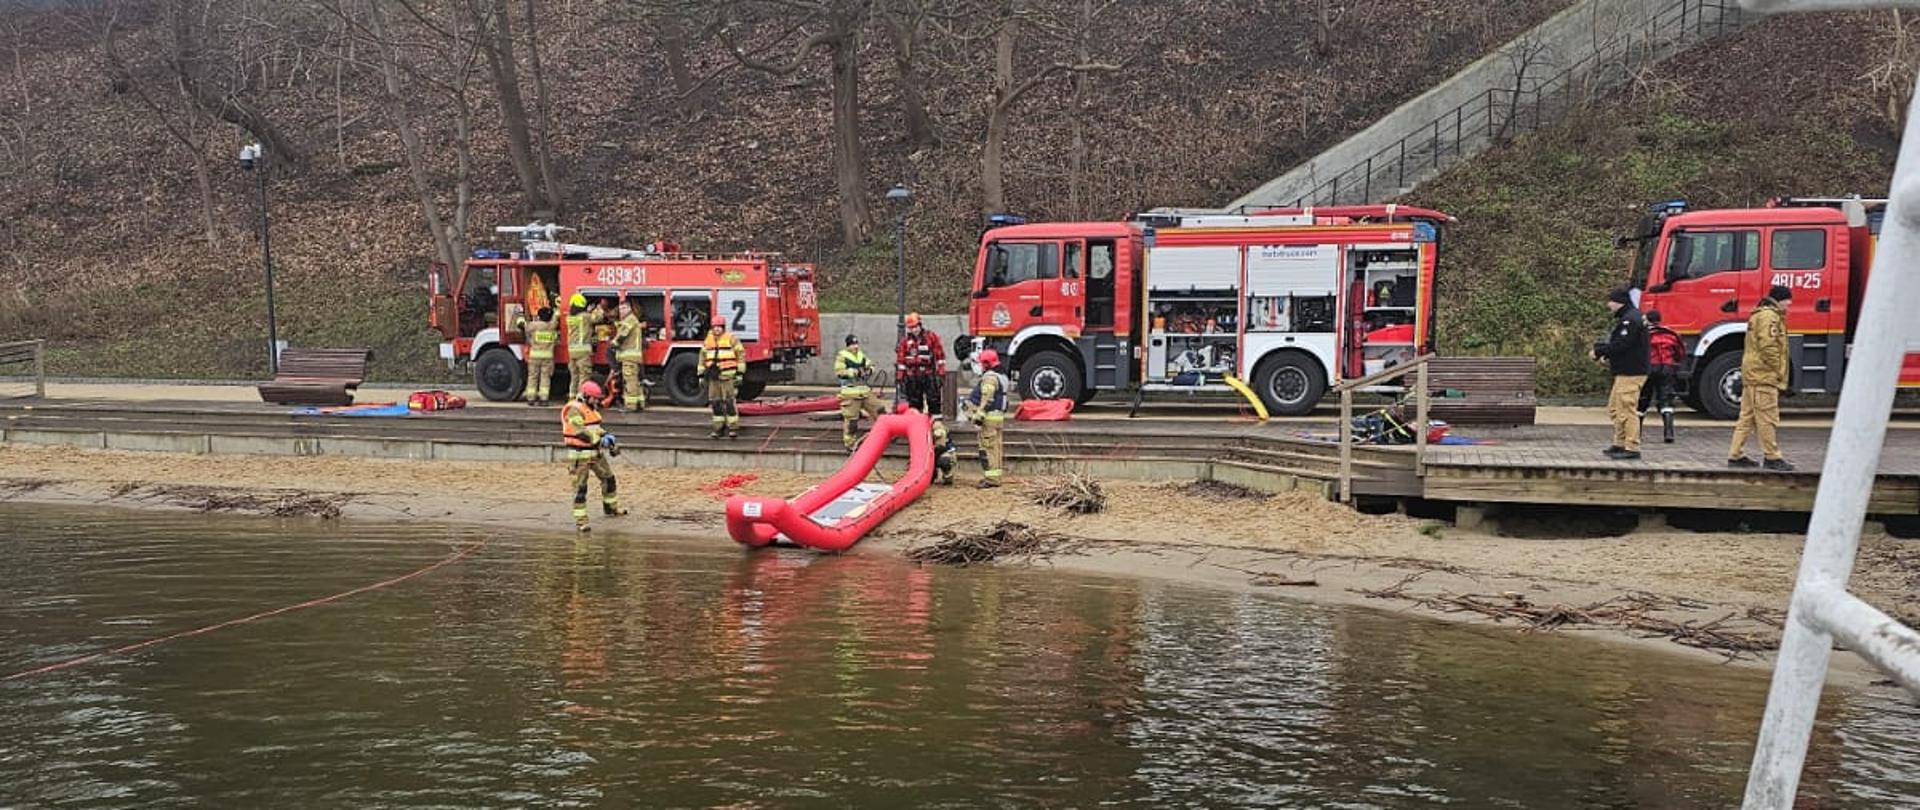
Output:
x=1420 y=420
x=1821 y=608
x=1346 y=445
x=40 y=369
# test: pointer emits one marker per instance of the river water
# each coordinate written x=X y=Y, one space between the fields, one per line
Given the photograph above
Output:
x=550 y=671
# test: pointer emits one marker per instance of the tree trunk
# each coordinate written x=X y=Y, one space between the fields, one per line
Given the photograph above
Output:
x=673 y=44
x=993 y=195
x=394 y=100
x=513 y=109
x=913 y=86
x=549 y=181
x=1077 y=116
x=203 y=178
x=849 y=160
x=463 y=181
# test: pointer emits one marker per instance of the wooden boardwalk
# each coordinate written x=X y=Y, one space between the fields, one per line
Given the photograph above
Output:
x=1542 y=464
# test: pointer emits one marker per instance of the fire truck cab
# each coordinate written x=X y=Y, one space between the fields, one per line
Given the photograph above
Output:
x=1704 y=271
x=769 y=304
x=1291 y=301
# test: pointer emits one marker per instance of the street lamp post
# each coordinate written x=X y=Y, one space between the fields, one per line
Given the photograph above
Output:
x=901 y=198
x=252 y=157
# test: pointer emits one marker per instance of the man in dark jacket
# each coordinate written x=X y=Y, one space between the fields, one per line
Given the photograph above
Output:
x=1625 y=350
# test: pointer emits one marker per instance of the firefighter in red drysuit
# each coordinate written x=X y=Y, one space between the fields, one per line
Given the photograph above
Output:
x=919 y=365
x=1664 y=350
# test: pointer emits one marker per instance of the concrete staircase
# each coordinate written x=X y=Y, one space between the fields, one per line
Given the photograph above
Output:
x=1531 y=82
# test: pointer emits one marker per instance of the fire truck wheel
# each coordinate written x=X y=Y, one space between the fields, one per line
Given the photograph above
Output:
x=684 y=386
x=1289 y=384
x=1050 y=375
x=751 y=390
x=499 y=375
x=1720 y=385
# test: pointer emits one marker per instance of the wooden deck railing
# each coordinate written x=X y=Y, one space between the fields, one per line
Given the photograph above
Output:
x=1418 y=367
x=28 y=351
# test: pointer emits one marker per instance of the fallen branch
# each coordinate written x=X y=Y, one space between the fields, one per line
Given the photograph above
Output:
x=1074 y=492
x=1005 y=539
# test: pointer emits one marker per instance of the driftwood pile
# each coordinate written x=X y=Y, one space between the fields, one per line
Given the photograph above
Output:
x=1005 y=539
x=1209 y=489
x=1634 y=612
x=1074 y=492
x=274 y=503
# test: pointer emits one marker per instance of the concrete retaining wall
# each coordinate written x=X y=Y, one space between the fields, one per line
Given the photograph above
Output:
x=1596 y=39
x=876 y=331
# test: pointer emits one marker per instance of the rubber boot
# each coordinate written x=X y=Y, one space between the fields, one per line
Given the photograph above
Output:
x=1666 y=426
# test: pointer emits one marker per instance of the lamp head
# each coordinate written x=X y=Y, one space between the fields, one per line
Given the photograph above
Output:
x=250 y=155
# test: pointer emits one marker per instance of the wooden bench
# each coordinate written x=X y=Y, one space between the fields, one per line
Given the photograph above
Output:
x=1499 y=390
x=317 y=377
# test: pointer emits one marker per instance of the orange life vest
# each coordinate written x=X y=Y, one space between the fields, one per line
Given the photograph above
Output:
x=575 y=436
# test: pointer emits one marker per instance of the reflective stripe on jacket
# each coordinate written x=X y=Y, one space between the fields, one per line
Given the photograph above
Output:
x=724 y=353
x=630 y=339
x=991 y=389
x=921 y=355
x=541 y=338
x=579 y=332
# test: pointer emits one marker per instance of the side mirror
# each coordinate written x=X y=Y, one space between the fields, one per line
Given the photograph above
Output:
x=1661 y=287
x=979 y=293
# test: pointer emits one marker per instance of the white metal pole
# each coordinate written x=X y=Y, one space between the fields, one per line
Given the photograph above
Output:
x=1846 y=483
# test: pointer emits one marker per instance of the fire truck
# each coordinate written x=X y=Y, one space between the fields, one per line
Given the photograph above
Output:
x=1704 y=271
x=1291 y=300
x=769 y=303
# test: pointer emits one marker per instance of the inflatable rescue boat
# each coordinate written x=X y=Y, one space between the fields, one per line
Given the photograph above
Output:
x=842 y=509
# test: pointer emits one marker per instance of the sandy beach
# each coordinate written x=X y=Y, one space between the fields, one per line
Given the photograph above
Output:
x=1296 y=546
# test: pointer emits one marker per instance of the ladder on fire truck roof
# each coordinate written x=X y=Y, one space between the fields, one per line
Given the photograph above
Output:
x=1822 y=610
x=540 y=240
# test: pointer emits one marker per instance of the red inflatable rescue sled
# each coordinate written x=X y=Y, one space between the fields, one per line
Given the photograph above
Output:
x=1044 y=410
x=841 y=510
x=820 y=404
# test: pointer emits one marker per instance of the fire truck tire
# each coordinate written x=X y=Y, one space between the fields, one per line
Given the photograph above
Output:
x=498 y=375
x=751 y=390
x=1050 y=375
x=1719 y=389
x=1289 y=384
x=684 y=386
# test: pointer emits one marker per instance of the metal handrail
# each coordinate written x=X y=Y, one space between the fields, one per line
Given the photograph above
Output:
x=38 y=348
x=1418 y=366
x=1822 y=610
x=1496 y=113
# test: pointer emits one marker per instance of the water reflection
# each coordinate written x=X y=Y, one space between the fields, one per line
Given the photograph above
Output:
x=559 y=671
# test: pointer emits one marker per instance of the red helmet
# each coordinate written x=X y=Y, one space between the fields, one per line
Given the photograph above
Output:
x=913 y=319
x=989 y=358
x=718 y=320
x=591 y=390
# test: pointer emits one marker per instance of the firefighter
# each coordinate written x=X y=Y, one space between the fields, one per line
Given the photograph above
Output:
x=987 y=407
x=1664 y=350
x=722 y=360
x=945 y=455
x=1763 y=372
x=580 y=322
x=854 y=371
x=630 y=348
x=919 y=365
x=1625 y=350
x=588 y=448
x=542 y=333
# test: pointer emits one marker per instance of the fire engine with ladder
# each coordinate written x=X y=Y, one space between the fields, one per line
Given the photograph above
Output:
x=1288 y=300
x=769 y=303
x=1704 y=270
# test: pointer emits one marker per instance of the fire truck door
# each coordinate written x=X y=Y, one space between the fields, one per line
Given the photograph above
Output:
x=1801 y=259
x=1014 y=288
x=1066 y=300
x=1707 y=279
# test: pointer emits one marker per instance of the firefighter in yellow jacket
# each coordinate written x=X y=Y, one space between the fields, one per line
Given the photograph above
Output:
x=1763 y=373
x=542 y=335
x=589 y=446
x=580 y=322
x=630 y=349
x=854 y=371
x=722 y=362
x=987 y=407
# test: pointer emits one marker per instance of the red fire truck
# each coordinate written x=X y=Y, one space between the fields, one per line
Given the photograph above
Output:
x=770 y=304
x=1291 y=300
x=1704 y=271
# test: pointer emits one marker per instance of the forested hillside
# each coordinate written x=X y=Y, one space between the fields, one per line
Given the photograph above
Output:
x=1795 y=105
x=129 y=232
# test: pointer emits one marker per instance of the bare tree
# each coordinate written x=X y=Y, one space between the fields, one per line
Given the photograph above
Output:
x=1007 y=92
x=187 y=127
x=677 y=26
x=190 y=24
x=1893 y=70
x=905 y=22
x=833 y=26
x=494 y=28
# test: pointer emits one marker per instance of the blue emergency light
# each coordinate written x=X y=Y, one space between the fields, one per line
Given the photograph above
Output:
x=1001 y=220
x=485 y=253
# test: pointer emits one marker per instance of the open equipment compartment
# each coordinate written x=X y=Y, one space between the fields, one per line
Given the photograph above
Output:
x=1383 y=301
